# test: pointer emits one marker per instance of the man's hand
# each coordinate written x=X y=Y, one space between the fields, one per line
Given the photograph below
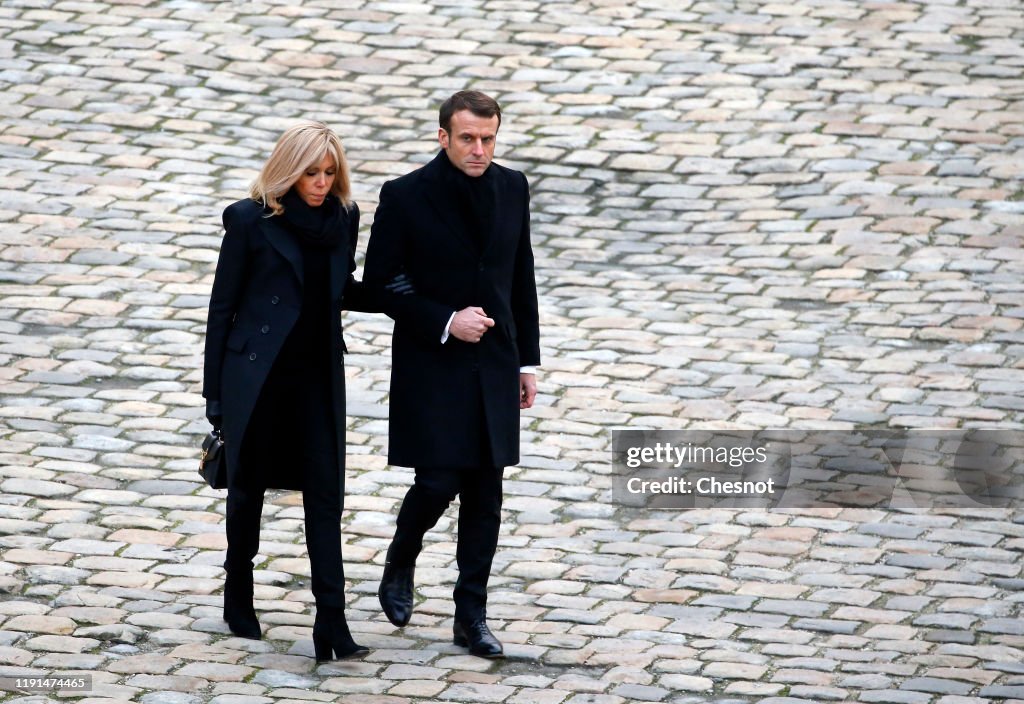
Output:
x=527 y=390
x=470 y=324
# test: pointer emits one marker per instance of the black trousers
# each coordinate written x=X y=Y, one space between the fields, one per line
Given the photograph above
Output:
x=479 y=489
x=299 y=412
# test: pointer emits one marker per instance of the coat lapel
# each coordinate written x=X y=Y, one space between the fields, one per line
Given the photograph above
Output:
x=339 y=269
x=497 y=221
x=288 y=248
x=284 y=243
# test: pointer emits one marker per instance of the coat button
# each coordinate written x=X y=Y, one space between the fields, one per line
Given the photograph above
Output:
x=265 y=329
x=252 y=357
x=481 y=267
x=275 y=300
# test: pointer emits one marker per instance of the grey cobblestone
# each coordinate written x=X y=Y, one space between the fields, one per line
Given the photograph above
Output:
x=801 y=215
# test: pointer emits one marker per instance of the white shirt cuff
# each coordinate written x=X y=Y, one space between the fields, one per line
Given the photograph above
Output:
x=527 y=370
x=444 y=337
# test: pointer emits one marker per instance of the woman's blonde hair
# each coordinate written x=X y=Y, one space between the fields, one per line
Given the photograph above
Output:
x=301 y=147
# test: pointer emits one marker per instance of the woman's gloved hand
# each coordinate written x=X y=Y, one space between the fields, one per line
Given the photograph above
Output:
x=400 y=285
x=214 y=413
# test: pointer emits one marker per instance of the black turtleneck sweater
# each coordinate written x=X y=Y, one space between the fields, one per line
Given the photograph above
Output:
x=317 y=231
x=309 y=343
x=475 y=197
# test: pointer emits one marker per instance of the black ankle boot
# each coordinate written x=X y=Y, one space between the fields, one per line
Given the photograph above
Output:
x=238 y=609
x=331 y=634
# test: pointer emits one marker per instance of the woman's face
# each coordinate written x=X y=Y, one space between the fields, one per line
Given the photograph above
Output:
x=314 y=185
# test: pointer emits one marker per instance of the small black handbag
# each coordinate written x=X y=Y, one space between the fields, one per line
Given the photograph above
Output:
x=213 y=464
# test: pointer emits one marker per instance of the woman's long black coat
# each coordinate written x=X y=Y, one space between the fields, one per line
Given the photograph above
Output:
x=256 y=300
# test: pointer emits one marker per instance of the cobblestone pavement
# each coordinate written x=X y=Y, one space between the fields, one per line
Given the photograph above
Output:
x=803 y=214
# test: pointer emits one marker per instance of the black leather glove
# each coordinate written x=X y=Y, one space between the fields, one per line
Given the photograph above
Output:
x=214 y=414
x=400 y=285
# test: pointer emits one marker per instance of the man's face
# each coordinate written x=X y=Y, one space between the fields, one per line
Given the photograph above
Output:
x=470 y=145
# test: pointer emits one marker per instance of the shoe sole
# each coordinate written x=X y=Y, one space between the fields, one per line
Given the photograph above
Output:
x=247 y=636
x=241 y=633
x=356 y=654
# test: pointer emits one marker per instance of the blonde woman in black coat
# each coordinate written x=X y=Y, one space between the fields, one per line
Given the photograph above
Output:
x=274 y=379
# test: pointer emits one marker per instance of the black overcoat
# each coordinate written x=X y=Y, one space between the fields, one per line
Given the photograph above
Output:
x=437 y=390
x=255 y=302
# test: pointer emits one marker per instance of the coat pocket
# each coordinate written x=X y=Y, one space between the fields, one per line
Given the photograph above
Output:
x=237 y=340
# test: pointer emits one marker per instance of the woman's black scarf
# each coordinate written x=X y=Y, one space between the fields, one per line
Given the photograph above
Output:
x=475 y=197
x=319 y=227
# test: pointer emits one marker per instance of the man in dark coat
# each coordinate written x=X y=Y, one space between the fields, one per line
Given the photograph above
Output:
x=456 y=233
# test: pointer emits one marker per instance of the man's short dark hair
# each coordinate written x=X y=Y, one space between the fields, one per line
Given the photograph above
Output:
x=478 y=103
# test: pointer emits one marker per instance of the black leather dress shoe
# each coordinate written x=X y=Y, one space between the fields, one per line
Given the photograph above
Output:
x=476 y=636
x=395 y=593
